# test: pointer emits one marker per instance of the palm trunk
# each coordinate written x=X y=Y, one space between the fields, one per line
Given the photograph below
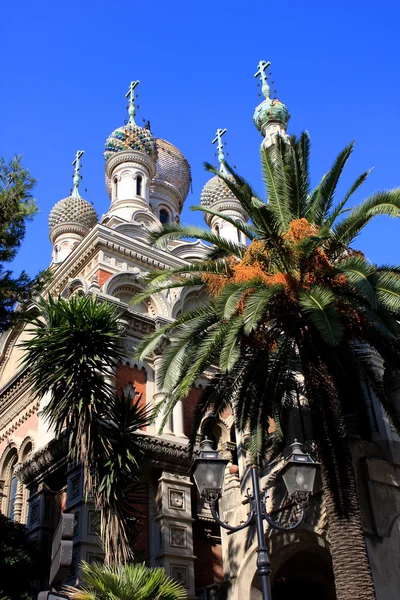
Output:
x=353 y=578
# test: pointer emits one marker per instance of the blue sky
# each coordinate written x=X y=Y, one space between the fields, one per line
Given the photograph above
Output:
x=66 y=67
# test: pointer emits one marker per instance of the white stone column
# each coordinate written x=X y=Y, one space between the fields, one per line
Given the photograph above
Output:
x=158 y=401
x=178 y=420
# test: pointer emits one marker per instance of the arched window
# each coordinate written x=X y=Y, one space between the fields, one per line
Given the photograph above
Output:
x=10 y=484
x=239 y=236
x=139 y=182
x=13 y=493
x=217 y=230
x=116 y=187
x=164 y=216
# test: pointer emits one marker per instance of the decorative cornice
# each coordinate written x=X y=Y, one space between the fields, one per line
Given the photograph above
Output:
x=130 y=156
x=43 y=461
x=159 y=451
x=100 y=237
x=79 y=230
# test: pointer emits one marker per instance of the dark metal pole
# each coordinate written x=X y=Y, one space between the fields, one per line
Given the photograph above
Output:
x=263 y=562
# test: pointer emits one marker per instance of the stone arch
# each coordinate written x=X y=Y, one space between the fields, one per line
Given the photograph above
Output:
x=131 y=281
x=75 y=285
x=12 y=353
x=8 y=464
x=284 y=550
x=25 y=451
x=189 y=298
x=218 y=429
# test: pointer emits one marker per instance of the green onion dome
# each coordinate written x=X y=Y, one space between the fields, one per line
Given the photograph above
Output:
x=215 y=191
x=270 y=111
x=131 y=137
x=74 y=210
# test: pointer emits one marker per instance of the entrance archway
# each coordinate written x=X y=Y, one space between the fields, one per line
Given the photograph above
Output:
x=305 y=576
x=301 y=568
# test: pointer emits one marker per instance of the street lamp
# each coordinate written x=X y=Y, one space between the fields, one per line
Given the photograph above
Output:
x=298 y=475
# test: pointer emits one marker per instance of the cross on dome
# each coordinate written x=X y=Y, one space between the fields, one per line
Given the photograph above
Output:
x=131 y=106
x=262 y=67
x=77 y=177
x=220 y=145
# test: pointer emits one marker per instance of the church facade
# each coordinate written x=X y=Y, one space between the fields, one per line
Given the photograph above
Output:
x=147 y=180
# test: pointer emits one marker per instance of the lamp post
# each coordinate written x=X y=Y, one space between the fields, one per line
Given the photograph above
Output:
x=298 y=475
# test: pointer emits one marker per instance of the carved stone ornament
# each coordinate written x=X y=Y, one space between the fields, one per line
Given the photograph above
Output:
x=181 y=575
x=178 y=536
x=169 y=475
x=176 y=499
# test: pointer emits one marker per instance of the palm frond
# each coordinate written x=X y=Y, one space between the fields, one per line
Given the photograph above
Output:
x=248 y=230
x=319 y=305
x=230 y=350
x=276 y=186
x=327 y=188
x=256 y=304
x=359 y=273
x=380 y=203
x=173 y=231
x=339 y=209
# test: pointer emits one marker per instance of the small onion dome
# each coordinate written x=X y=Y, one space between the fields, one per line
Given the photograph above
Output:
x=216 y=191
x=173 y=168
x=74 y=210
x=131 y=137
x=270 y=111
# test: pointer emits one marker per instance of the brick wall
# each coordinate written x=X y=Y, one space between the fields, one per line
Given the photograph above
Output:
x=127 y=376
x=208 y=566
x=189 y=406
x=103 y=276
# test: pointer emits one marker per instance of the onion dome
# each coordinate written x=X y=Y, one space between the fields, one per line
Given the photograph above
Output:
x=269 y=111
x=73 y=213
x=172 y=168
x=74 y=210
x=216 y=191
x=131 y=136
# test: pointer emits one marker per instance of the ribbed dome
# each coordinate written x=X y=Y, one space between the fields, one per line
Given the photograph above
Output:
x=268 y=111
x=73 y=209
x=172 y=167
x=131 y=137
x=215 y=191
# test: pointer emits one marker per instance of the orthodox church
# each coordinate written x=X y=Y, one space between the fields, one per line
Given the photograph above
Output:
x=147 y=180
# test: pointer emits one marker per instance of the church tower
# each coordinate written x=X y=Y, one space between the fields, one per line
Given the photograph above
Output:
x=131 y=154
x=70 y=219
x=147 y=178
x=271 y=117
x=217 y=196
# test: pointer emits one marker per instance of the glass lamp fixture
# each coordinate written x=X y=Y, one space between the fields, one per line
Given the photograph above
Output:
x=299 y=473
x=208 y=472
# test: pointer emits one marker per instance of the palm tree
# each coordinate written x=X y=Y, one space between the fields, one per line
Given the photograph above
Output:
x=125 y=582
x=298 y=304
x=75 y=344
